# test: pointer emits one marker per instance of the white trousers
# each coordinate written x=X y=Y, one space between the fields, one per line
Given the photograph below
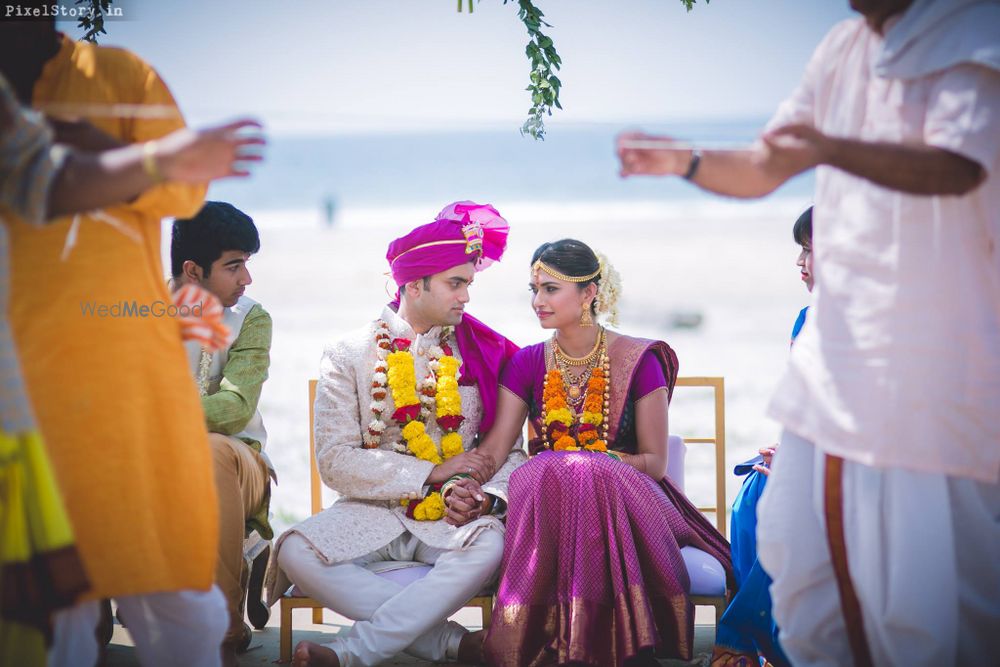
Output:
x=923 y=552
x=168 y=629
x=389 y=618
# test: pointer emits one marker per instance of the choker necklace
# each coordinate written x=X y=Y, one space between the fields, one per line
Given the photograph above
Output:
x=585 y=360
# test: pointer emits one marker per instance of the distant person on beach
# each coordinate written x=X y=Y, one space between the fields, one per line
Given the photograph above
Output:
x=329 y=210
x=879 y=522
x=400 y=405
x=40 y=180
x=593 y=571
x=746 y=631
x=212 y=249
x=112 y=393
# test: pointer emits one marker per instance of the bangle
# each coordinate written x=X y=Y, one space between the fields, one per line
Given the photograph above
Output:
x=447 y=486
x=693 y=165
x=149 y=163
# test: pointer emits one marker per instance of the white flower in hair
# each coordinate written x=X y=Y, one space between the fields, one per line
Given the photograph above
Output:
x=608 y=291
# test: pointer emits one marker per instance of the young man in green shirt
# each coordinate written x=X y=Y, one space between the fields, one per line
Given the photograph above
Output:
x=211 y=250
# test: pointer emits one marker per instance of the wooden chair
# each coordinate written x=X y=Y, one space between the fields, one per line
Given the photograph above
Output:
x=289 y=602
x=718 y=439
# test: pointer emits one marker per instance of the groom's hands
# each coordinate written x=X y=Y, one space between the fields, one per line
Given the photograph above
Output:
x=473 y=462
x=466 y=501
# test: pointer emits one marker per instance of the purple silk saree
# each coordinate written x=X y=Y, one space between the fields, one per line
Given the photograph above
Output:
x=592 y=572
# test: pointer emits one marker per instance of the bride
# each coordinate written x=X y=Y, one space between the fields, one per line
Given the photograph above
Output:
x=592 y=572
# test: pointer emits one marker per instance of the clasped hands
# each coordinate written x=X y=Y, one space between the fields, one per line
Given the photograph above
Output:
x=465 y=501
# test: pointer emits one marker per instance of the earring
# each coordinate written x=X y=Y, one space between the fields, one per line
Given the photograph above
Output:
x=585 y=318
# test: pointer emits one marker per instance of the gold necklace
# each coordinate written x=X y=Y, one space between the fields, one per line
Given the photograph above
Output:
x=575 y=384
x=585 y=360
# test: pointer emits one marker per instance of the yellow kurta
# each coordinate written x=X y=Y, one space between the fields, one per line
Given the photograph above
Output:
x=114 y=398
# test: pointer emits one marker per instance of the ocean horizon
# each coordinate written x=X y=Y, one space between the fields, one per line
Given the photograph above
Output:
x=574 y=164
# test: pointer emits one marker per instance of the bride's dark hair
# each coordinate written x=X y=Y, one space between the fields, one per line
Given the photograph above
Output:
x=575 y=259
x=570 y=257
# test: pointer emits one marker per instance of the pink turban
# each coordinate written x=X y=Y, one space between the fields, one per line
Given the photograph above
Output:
x=462 y=232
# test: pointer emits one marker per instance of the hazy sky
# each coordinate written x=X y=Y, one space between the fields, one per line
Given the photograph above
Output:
x=343 y=65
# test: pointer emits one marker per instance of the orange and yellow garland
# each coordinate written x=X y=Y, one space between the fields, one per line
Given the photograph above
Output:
x=558 y=419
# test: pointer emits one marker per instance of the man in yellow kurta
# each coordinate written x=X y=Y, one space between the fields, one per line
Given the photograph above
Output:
x=113 y=394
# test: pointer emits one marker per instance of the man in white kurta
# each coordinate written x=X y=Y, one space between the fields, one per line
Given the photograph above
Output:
x=333 y=556
x=891 y=401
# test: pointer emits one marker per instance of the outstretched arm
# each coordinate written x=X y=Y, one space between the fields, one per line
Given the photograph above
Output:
x=743 y=173
x=792 y=149
x=89 y=181
x=915 y=168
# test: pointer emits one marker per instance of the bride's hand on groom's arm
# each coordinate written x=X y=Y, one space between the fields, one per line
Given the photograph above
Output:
x=473 y=462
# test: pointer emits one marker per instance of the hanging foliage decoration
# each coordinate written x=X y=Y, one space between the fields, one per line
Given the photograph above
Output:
x=543 y=84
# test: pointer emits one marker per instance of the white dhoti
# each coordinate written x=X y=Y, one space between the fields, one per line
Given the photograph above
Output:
x=389 y=618
x=923 y=552
x=172 y=628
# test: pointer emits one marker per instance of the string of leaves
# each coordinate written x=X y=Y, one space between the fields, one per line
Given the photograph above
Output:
x=93 y=23
x=543 y=84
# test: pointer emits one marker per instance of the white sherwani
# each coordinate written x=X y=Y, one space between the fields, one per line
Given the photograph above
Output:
x=368 y=516
x=371 y=482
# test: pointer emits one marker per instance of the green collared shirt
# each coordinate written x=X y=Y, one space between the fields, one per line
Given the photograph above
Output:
x=230 y=409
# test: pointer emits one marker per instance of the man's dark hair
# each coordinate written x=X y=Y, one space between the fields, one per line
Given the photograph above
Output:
x=803 y=229
x=216 y=228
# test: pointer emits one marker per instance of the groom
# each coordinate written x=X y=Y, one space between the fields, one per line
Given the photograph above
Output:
x=399 y=407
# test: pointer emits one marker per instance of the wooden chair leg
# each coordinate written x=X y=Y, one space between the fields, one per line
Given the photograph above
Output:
x=317 y=615
x=487 y=615
x=286 y=633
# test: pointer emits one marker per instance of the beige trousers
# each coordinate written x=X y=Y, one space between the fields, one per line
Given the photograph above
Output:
x=241 y=477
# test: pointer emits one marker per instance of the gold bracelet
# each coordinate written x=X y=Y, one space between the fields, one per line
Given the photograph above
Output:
x=149 y=163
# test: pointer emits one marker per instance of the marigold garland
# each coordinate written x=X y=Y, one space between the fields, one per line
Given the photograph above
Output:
x=430 y=508
x=560 y=423
x=414 y=403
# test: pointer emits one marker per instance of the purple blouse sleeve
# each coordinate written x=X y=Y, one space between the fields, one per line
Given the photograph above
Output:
x=649 y=376
x=519 y=374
